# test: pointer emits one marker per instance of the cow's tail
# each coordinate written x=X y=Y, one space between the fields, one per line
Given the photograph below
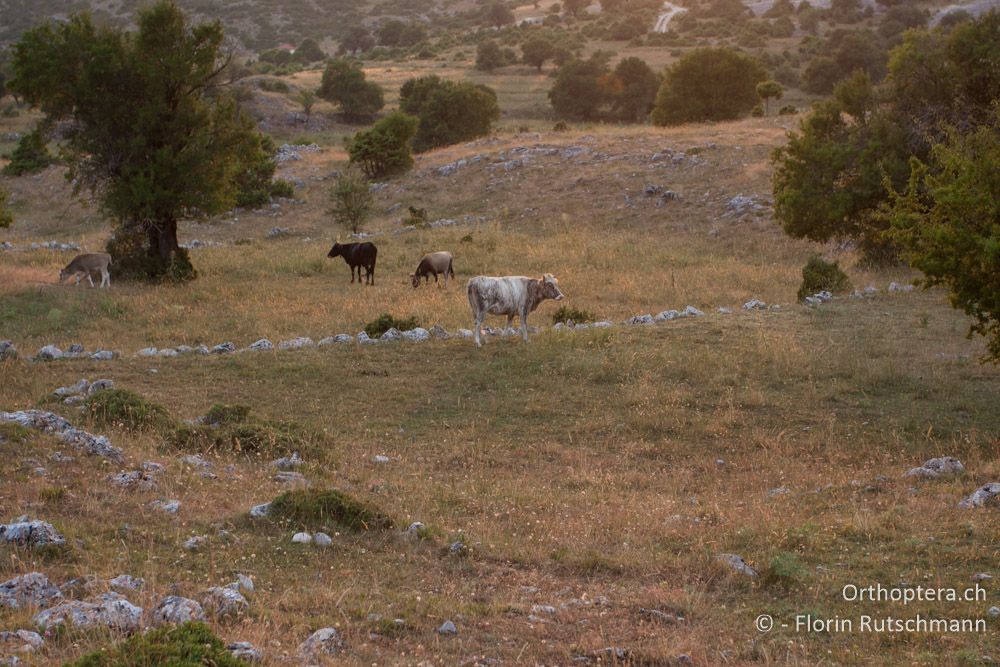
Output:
x=450 y=269
x=473 y=299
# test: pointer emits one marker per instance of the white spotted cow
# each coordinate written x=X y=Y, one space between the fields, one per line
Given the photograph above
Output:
x=510 y=296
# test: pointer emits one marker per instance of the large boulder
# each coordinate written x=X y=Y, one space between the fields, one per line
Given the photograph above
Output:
x=938 y=467
x=176 y=610
x=109 y=610
x=34 y=533
x=987 y=494
x=29 y=590
x=49 y=422
x=223 y=602
x=323 y=642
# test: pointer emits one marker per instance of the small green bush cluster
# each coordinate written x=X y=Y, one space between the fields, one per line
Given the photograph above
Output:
x=132 y=260
x=314 y=508
x=189 y=645
x=819 y=275
x=273 y=85
x=121 y=408
x=565 y=313
x=385 y=321
x=30 y=156
x=785 y=571
x=231 y=429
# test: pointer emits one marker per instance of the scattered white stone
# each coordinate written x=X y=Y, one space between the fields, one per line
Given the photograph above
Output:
x=242 y=584
x=640 y=319
x=147 y=352
x=896 y=287
x=260 y=511
x=175 y=610
x=339 y=338
x=195 y=461
x=7 y=350
x=392 y=334
x=29 y=590
x=322 y=540
x=447 y=628
x=49 y=353
x=73 y=390
x=363 y=339
x=464 y=333
x=779 y=491
x=871 y=290
x=603 y=324
x=49 y=422
x=379 y=458
x=133 y=479
x=202 y=349
x=290 y=477
x=439 y=332
x=417 y=334
x=109 y=610
x=754 y=304
x=223 y=602
x=127 y=582
x=97 y=386
x=223 y=348
x=245 y=651
x=167 y=352
x=104 y=355
x=982 y=576
x=666 y=315
x=543 y=609
x=20 y=641
x=168 y=506
x=296 y=344
x=26 y=533
x=737 y=564
x=195 y=543
x=993 y=611
x=724 y=311
x=944 y=465
x=325 y=641
x=984 y=495
x=691 y=311
x=302 y=538
x=288 y=462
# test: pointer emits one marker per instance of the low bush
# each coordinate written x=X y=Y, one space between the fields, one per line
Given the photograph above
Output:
x=566 y=313
x=315 y=508
x=385 y=321
x=220 y=413
x=30 y=156
x=189 y=645
x=121 y=408
x=819 y=275
x=785 y=571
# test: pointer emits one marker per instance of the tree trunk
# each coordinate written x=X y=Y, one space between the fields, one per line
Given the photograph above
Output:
x=162 y=236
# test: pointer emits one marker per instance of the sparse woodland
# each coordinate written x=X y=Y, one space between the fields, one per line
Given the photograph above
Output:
x=772 y=376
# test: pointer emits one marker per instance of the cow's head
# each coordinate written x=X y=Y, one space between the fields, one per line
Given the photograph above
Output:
x=550 y=287
x=335 y=250
x=64 y=274
x=415 y=279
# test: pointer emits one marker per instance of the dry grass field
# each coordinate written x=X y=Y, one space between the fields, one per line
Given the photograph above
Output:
x=593 y=476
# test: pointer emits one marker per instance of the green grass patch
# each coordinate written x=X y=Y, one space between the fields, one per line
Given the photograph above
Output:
x=121 y=408
x=220 y=414
x=385 y=321
x=566 y=313
x=189 y=645
x=314 y=508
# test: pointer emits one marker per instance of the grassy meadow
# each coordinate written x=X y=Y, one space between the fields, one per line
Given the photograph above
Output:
x=599 y=473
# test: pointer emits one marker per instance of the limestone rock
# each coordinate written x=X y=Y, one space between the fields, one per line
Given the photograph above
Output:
x=447 y=628
x=417 y=334
x=223 y=602
x=296 y=344
x=7 y=350
x=323 y=642
x=27 y=533
x=175 y=609
x=983 y=496
x=49 y=353
x=29 y=590
x=261 y=345
x=260 y=511
x=223 y=348
x=245 y=651
x=737 y=564
x=20 y=641
x=127 y=582
x=48 y=422
x=109 y=610
x=938 y=467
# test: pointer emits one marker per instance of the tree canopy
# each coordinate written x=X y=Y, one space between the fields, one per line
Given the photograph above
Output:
x=450 y=112
x=385 y=149
x=708 y=84
x=344 y=83
x=151 y=129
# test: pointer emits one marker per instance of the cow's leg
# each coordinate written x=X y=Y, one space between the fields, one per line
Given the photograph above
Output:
x=89 y=279
x=105 y=278
x=477 y=328
x=524 y=325
x=77 y=276
x=372 y=273
x=352 y=274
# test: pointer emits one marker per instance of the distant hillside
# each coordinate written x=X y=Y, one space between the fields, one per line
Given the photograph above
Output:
x=253 y=24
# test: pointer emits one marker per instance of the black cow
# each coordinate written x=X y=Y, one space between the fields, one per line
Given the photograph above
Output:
x=357 y=255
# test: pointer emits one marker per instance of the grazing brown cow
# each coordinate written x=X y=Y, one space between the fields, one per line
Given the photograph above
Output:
x=433 y=263
x=357 y=255
x=510 y=296
x=84 y=265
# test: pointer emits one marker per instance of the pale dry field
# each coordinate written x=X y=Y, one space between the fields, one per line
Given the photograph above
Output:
x=598 y=472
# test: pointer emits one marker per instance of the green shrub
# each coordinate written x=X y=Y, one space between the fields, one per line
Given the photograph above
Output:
x=250 y=438
x=220 y=413
x=784 y=571
x=819 y=275
x=122 y=408
x=385 y=149
x=30 y=156
x=385 y=321
x=314 y=508
x=418 y=217
x=189 y=645
x=565 y=313
x=273 y=85
x=282 y=188
x=787 y=110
